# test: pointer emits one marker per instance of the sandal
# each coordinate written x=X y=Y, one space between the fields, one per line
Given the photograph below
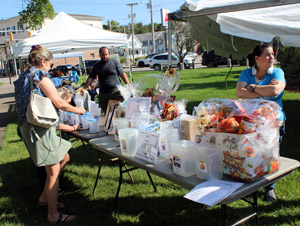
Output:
x=60 y=218
x=60 y=205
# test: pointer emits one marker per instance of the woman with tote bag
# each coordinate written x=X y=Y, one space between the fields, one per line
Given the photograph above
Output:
x=44 y=146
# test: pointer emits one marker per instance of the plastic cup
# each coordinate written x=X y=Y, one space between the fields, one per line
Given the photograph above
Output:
x=93 y=125
x=84 y=121
x=71 y=118
x=128 y=141
x=61 y=116
x=120 y=123
x=77 y=119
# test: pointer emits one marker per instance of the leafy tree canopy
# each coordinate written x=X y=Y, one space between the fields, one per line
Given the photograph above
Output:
x=35 y=13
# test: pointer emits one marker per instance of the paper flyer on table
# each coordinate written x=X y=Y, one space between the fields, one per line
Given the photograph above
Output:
x=212 y=192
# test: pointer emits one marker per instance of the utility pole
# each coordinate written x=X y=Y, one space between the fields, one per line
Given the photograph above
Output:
x=132 y=27
x=152 y=26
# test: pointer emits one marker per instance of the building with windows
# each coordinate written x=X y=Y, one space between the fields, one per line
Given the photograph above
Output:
x=160 y=42
x=143 y=45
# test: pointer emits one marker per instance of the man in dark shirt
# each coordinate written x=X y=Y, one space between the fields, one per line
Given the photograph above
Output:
x=108 y=71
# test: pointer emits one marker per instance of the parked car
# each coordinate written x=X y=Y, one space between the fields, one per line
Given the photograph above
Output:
x=65 y=68
x=190 y=55
x=89 y=64
x=145 y=62
x=210 y=59
x=188 y=62
x=161 y=60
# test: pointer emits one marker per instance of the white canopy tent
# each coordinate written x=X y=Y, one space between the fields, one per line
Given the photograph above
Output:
x=67 y=34
x=230 y=27
x=65 y=55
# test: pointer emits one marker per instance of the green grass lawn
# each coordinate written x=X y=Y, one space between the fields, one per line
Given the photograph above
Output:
x=138 y=203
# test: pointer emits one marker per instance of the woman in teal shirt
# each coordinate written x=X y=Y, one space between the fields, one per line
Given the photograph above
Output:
x=262 y=80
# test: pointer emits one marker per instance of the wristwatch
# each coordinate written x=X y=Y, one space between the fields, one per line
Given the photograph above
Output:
x=251 y=88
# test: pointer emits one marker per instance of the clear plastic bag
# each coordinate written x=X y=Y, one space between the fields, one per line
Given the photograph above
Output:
x=241 y=116
x=245 y=132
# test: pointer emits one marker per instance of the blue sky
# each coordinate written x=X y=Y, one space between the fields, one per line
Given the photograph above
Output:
x=109 y=9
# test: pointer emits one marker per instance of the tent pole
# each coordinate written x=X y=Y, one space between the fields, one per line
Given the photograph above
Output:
x=169 y=42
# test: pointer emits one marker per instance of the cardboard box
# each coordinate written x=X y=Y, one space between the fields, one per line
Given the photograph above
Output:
x=188 y=128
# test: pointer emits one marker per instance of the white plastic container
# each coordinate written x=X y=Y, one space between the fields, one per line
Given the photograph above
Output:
x=128 y=141
x=93 y=125
x=183 y=158
x=120 y=123
x=84 y=121
x=71 y=118
x=167 y=136
x=77 y=118
x=64 y=116
x=208 y=162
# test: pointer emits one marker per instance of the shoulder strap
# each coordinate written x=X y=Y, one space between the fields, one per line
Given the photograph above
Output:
x=31 y=81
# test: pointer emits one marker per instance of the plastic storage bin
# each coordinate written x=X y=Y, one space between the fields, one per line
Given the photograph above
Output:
x=128 y=141
x=208 y=162
x=120 y=123
x=167 y=136
x=183 y=158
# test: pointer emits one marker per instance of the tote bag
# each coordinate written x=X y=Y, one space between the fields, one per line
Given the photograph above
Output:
x=40 y=110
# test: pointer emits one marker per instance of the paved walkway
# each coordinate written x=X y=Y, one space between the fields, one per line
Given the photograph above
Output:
x=7 y=104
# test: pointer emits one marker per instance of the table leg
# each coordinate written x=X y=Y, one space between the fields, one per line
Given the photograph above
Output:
x=255 y=214
x=255 y=207
x=84 y=146
x=120 y=182
x=150 y=178
x=224 y=217
x=131 y=178
x=98 y=175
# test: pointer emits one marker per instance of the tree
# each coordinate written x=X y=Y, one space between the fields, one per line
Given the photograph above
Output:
x=35 y=13
x=183 y=39
x=289 y=60
x=113 y=26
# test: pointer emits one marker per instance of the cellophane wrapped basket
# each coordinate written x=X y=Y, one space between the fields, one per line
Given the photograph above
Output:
x=245 y=133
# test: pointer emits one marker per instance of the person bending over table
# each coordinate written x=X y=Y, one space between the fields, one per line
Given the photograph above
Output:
x=41 y=61
x=262 y=80
x=108 y=70
x=66 y=93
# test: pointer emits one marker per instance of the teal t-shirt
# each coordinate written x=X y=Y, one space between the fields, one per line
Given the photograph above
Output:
x=278 y=74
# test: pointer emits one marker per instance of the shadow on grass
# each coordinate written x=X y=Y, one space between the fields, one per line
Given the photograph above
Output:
x=19 y=193
x=290 y=143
